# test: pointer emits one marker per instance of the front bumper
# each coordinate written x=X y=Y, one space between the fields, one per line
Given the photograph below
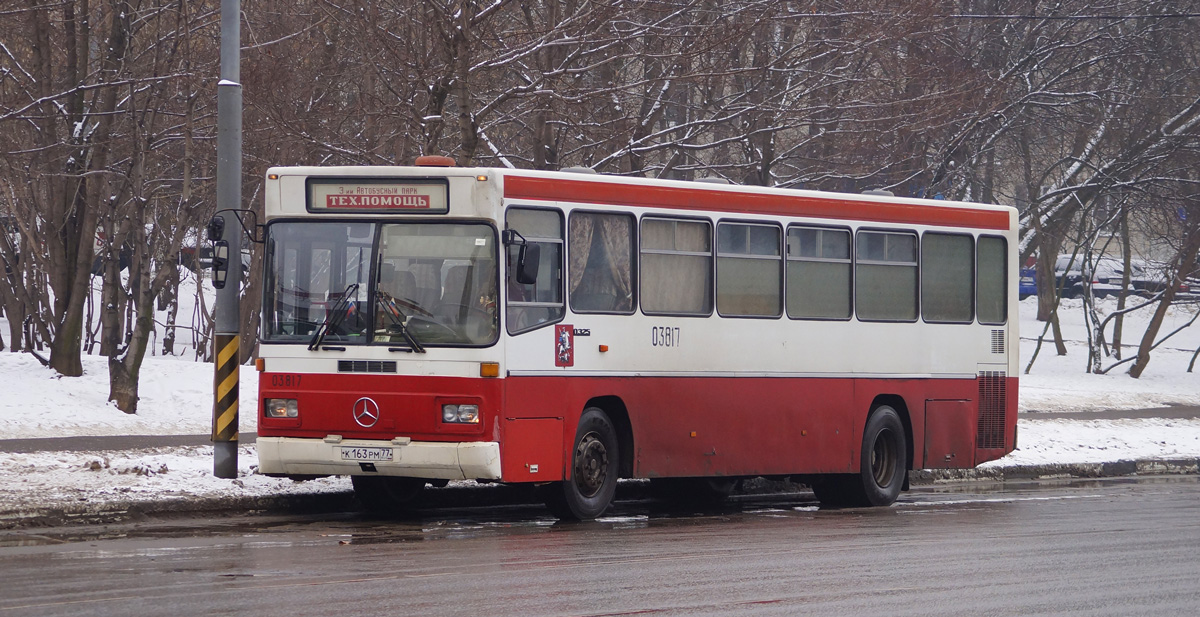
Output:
x=417 y=459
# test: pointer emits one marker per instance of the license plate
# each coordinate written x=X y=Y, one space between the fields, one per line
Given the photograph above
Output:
x=366 y=454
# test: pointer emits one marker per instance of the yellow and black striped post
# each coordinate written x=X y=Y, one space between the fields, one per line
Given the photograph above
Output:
x=229 y=198
x=225 y=406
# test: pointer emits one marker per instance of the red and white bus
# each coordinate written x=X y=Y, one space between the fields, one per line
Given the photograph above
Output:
x=433 y=323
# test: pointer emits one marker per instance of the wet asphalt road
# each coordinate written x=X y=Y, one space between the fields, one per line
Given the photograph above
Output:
x=1114 y=547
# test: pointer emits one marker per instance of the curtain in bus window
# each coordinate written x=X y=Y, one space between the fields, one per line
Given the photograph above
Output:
x=885 y=280
x=749 y=264
x=991 y=295
x=818 y=273
x=676 y=267
x=601 y=261
x=947 y=273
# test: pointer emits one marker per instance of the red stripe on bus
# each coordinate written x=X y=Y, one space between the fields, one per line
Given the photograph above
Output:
x=617 y=194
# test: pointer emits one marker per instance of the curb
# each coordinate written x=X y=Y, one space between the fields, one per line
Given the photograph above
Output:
x=116 y=512
x=126 y=511
x=1167 y=467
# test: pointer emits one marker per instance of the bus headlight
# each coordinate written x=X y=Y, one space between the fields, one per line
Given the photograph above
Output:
x=281 y=408
x=460 y=414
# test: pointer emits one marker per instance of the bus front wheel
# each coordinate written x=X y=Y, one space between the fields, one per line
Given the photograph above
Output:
x=882 y=466
x=594 y=467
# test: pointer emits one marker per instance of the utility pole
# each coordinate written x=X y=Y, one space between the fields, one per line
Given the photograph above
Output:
x=227 y=359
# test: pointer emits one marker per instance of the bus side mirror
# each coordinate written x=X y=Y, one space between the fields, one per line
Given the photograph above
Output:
x=220 y=263
x=528 y=260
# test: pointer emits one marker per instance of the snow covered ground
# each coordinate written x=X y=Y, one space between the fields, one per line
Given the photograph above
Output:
x=176 y=399
x=1061 y=383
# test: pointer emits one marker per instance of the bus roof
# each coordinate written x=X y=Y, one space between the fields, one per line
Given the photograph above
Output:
x=560 y=186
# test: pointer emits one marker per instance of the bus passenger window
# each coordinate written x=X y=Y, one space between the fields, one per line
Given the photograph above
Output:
x=749 y=270
x=540 y=303
x=818 y=273
x=601 y=266
x=991 y=269
x=947 y=277
x=885 y=276
x=676 y=267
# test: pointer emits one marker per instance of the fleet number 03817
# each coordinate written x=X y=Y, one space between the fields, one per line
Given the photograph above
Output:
x=664 y=336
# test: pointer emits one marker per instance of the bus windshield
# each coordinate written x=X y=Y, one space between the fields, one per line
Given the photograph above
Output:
x=407 y=285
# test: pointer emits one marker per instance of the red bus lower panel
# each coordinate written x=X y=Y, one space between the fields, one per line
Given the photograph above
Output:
x=678 y=426
x=747 y=426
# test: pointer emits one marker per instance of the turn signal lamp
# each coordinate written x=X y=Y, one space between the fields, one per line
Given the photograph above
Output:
x=281 y=408
x=489 y=369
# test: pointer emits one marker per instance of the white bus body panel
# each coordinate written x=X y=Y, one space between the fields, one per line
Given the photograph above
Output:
x=445 y=461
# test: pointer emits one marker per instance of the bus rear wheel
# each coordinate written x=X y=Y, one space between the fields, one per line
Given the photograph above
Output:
x=882 y=466
x=594 y=467
x=386 y=494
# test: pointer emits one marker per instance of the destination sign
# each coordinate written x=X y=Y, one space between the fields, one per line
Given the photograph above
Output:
x=377 y=196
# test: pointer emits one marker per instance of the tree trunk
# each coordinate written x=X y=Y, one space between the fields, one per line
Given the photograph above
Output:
x=123 y=384
x=111 y=290
x=1059 y=345
x=15 y=311
x=1046 y=285
x=79 y=228
x=170 y=296
x=125 y=369
x=1126 y=258
x=1184 y=259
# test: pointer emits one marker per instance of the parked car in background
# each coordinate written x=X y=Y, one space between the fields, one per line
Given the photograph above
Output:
x=1151 y=277
x=1028 y=283
x=1105 y=276
x=1146 y=277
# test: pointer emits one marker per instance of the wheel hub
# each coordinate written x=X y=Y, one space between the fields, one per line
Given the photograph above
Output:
x=882 y=459
x=591 y=464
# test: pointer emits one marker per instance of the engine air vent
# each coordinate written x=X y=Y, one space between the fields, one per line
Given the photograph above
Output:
x=366 y=366
x=990 y=433
x=997 y=341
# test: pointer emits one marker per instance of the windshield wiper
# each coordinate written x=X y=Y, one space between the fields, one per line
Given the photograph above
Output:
x=388 y=305
x=333 y=317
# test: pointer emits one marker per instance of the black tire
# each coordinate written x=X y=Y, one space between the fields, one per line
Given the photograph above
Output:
x=883 y=466
x=387 y=494
x=595 y=461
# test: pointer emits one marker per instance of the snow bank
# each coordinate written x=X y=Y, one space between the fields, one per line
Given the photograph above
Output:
x=31 y=481
x=176 y=399
x=1047 y=442
x=1062 y=384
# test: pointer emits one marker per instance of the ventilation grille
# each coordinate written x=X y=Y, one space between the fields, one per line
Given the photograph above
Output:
x=366 y=366
x=997 y=341
x=991 y=410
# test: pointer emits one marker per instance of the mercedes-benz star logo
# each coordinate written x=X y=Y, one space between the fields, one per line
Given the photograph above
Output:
x=366 y=412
